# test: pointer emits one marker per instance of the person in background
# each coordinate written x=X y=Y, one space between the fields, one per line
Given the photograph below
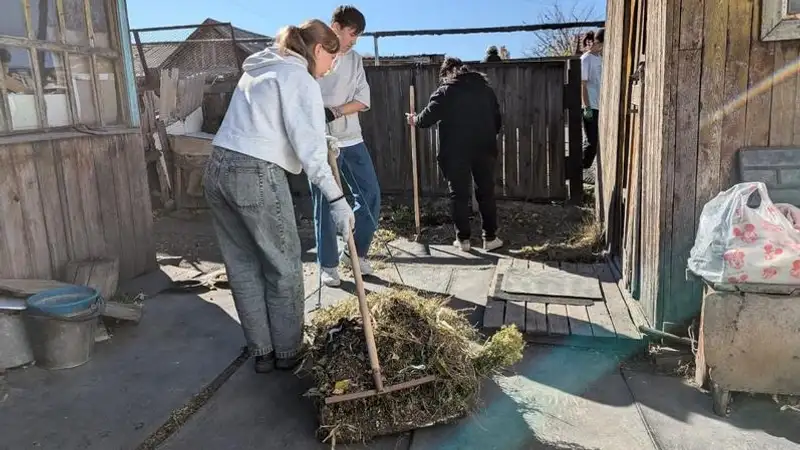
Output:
x=274 y=125
x=492 y=55
x=504 y=55
x=591 y=79
x=346 y=93
x=468 y=114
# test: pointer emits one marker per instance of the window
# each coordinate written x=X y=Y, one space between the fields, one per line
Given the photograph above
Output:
x=780 y=20
x=60 y=65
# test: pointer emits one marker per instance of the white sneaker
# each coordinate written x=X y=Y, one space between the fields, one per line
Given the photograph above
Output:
x=464 y=246
x=366 y=267
x=330 y=277
x=494 y=244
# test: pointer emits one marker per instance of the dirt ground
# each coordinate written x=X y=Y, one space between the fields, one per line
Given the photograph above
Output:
x=550 y=232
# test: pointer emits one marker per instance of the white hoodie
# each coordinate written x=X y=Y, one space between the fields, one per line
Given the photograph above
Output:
x=276 y=114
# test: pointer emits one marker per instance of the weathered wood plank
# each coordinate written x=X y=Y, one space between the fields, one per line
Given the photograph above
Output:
x=536 y=318
x=599 y=317
x=557 y=322
x=128 y=242
x=555 y=133
x=539 y=171
x=30 y=200
x=141 y=208
x=683 y=231
x=759 y=100
x=736 y=71
x=579 y=323
x=17 y=260
x=52 y=200
x=515 y=315
x=107 y=199
x=781 y=129
x=68 y=154
x=617 y=308
x=90 y=196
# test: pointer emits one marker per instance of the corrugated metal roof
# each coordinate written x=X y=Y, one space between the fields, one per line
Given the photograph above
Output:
x=155 y=54
x=249 y=47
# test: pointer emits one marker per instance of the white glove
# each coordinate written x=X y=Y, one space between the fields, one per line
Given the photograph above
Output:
x=333 y=145
x=343 y=217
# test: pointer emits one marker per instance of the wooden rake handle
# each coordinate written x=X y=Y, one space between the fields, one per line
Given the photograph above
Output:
x=366 y=317
x=413 y=103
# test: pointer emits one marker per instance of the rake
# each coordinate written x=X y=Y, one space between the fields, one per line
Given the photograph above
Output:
x=366 y=317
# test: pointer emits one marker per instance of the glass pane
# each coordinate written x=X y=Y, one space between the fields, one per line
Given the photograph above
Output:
x=107 y=89
x=54 y=87
x=75 y=21
x=794 y=7
x=44 y=20
x=12 y=20
x=102 y=36
x=19 y=85
x=81 y=69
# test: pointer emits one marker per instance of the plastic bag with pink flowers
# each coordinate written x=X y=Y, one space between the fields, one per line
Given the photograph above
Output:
x=744 y=238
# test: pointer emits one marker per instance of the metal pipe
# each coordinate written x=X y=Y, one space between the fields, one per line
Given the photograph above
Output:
x=663 y=335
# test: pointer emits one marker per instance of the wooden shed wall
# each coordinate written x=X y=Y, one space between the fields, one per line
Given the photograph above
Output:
x=74 y=196
x=712 y=87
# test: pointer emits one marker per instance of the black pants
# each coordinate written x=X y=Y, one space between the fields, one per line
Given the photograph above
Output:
x=591 y=142
x=461 y=174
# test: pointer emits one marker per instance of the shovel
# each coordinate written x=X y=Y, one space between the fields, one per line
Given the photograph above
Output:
x=421 y=247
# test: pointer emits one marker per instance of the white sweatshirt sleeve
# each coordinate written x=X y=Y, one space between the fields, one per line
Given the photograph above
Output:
x=304 y=119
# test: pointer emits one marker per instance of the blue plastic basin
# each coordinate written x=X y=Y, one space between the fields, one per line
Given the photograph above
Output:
x=63 y=301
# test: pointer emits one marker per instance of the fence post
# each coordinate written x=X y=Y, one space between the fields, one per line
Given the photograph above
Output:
x=142 y=61
x=377 y=58
x=572 y=99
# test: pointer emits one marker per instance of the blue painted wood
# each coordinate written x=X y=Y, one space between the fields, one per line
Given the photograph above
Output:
x=127 y=62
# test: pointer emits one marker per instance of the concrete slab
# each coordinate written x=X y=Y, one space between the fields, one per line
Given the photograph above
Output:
x=469 y=288
x=405 y=251
x=133 y=383
x=261 y=412
x=559 y=398
x=680 y=417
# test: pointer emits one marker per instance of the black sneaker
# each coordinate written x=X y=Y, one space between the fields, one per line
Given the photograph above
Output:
x=287 y=363
x=265 y=363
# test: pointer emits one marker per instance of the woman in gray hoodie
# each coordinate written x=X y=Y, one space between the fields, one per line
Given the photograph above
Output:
x=275 y=124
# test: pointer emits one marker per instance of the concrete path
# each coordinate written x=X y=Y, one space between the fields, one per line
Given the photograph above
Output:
x=680 y=417
x=133 y=383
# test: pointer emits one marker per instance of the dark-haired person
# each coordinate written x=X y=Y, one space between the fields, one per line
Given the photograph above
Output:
x=591 y=80
x=468 y=114
x=492 y=55
x=274 y=125
x=346 y=93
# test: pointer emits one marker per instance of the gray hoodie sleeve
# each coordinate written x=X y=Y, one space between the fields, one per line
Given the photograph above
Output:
x=303 y=117
x=362 y=87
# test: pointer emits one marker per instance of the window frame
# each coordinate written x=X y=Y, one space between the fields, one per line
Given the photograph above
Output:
x=776 y=22
x=32 y=45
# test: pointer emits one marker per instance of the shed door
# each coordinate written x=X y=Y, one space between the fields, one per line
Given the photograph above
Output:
x=632 y=153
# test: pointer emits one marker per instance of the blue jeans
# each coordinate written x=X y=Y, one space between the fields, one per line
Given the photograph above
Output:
x=252 y=210
x=355 y=166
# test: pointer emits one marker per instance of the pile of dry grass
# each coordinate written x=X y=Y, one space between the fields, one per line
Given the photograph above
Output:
x=416 y=336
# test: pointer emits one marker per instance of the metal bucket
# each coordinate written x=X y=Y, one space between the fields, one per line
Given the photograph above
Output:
x=61 y=325
x=15 y=349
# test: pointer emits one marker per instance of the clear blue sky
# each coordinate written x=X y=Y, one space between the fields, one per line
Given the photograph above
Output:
x=268 y=16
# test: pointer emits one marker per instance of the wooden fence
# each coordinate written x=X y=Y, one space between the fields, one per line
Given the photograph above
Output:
x=540 y=102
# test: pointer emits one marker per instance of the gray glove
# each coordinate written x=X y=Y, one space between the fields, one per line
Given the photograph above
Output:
x=343 y=217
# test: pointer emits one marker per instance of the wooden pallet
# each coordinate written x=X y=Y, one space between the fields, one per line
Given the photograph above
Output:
x=577 y=323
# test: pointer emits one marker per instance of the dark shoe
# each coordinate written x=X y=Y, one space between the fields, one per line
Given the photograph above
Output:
x=287 y=363
x=265 y=363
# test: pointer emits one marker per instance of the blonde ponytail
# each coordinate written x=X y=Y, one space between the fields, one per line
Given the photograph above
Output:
x=304 y=38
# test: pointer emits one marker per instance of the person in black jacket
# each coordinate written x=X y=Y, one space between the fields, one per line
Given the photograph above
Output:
x=468 y=114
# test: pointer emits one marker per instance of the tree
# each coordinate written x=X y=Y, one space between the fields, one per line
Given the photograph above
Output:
x=563 y=42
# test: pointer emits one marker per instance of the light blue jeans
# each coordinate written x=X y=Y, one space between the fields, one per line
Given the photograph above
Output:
x=355 y=166
x=253 y=215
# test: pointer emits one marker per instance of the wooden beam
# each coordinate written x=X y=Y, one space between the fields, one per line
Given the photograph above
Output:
x=33 y=55
x=62 y=37
x=507 y=29
x=11 y=41
x=377 y=58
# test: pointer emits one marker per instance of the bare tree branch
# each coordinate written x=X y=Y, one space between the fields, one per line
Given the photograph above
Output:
x=549 y=43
